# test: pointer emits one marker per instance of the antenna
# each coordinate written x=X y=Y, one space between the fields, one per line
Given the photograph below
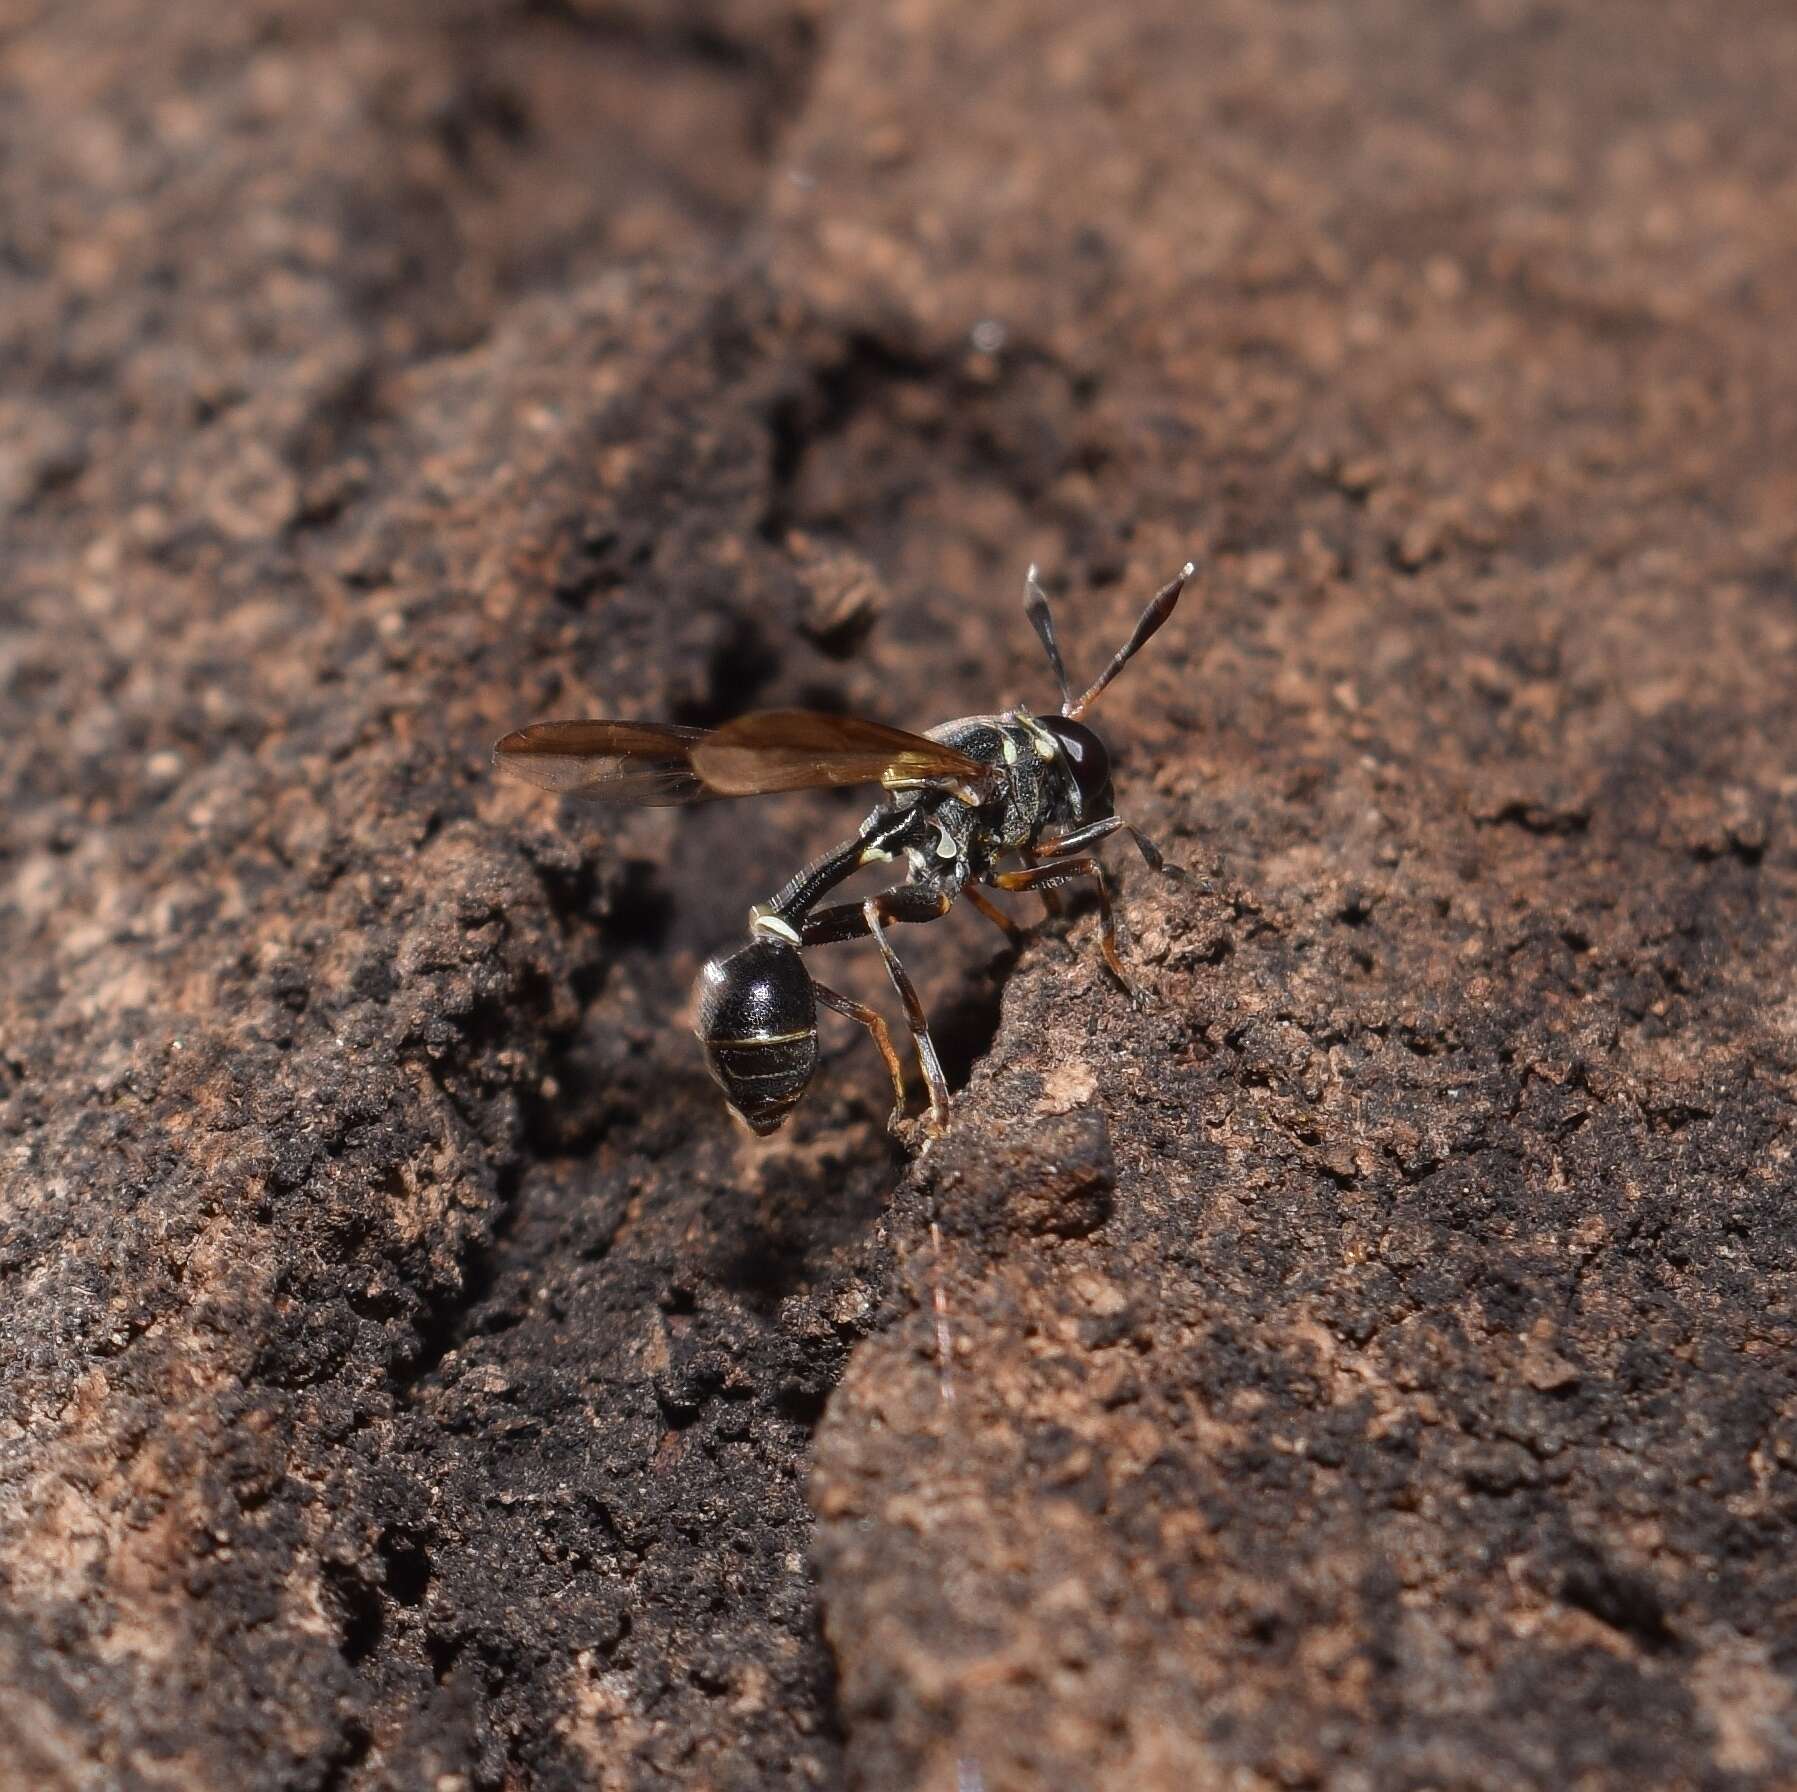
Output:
x=1157 y=612
x=1035 y=606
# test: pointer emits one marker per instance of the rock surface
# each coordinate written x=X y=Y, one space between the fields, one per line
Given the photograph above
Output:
x=1370 y=1364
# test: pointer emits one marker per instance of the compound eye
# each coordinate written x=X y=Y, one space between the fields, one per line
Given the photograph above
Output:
x=1088 y=760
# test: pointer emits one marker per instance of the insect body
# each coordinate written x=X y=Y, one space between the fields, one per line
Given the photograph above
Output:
x=758 y=1024
x=956 y=802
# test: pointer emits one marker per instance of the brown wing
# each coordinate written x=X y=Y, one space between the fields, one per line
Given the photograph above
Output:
x=799 y=749
x=648 y=764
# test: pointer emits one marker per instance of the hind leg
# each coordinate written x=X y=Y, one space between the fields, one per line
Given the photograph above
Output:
x=850 y=921
x=875 y=1023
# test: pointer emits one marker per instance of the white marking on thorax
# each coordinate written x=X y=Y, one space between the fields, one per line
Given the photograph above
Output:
x=765 y=925
x=1044 y=741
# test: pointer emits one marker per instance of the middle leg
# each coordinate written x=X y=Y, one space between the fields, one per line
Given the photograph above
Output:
x=996 y=915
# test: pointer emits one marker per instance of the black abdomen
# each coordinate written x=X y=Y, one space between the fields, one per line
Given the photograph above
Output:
x=758 y=1025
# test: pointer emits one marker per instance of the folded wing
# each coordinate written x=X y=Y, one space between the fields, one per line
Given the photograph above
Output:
x=663 y=765
x=646 y=764
x=801 y=749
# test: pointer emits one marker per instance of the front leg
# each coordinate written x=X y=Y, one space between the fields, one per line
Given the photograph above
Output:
x=1079 y=840
x=1063 y=871
x=1060 y=860
x=1094 y=831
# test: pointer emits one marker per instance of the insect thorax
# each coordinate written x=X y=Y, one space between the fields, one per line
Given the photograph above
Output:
x=1035 y=781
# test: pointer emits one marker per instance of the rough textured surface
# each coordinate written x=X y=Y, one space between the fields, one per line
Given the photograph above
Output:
x=1370 y=1366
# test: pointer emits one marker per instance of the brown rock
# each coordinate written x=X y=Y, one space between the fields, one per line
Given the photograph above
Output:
x=1367 y=1366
